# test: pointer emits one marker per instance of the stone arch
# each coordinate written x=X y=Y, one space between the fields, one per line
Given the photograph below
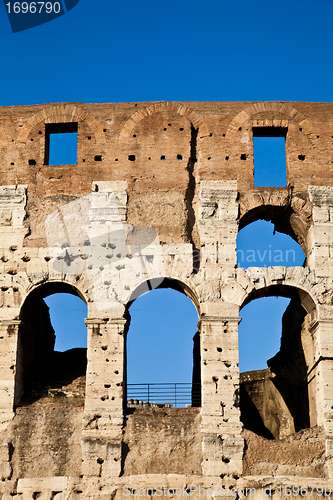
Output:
x=25 y=283
x=77 y=284
x=195 y=118
x=290 y=213
x=259 y=107
x=255 y=282
x=284 y=290
x=43 y=289
x=168 y=282
x=62 y=113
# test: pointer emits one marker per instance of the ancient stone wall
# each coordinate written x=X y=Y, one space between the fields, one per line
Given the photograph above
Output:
x=156 y=198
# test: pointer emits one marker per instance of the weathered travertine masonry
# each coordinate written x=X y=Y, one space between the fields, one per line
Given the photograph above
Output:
x=177 y=180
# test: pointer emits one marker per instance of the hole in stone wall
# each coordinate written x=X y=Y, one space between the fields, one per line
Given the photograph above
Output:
x=131 y=157
x=269 y=156
x=98 y=158
x=163 y=348
x=243 y=156
x=61 y=143
x=32 y=162
x=162 y=157
x=301 y=157
x=179 y=157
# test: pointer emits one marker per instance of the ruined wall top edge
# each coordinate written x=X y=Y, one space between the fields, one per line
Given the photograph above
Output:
x=163 y=150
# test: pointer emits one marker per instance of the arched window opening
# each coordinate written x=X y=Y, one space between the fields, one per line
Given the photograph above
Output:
x=258 y=246
x=52 y=347
x=163 y=351
x=275 y=352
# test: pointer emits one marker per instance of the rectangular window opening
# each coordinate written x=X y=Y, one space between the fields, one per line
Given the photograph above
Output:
x=61 y=144
x=269 y=148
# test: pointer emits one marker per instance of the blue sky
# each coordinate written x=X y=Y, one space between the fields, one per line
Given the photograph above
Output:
x=106 y=51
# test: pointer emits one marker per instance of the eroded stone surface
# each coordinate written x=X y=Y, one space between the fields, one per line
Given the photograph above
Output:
x=160 y=190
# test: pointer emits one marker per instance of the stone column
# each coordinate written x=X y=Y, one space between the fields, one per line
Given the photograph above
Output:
x=320 y=235
x=104 y=403
x=10 y=381
x=321 y=376
x=221 y=427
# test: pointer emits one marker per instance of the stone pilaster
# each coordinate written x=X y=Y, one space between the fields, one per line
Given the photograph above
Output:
x=103 y=416
x=320 y=239
x=217 y=223
x=10 y=380
x=321 y=375
x=13 y=200
x=221 y=428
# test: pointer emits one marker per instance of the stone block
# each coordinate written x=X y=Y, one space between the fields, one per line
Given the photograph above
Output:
x=101 y=458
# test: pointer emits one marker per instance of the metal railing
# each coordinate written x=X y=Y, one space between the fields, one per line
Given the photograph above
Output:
x=164 y=395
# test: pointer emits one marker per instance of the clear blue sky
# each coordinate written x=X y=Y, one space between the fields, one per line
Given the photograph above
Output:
x=106 y=51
